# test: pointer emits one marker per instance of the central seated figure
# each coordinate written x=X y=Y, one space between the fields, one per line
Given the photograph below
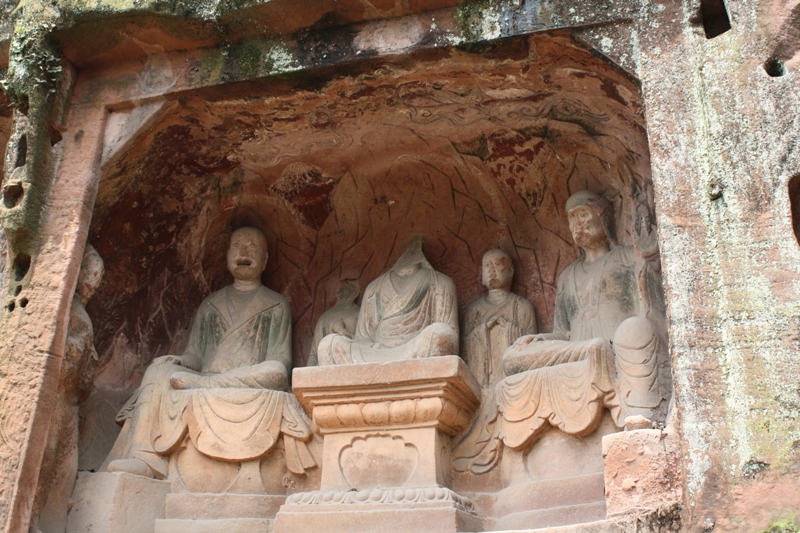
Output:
x=409 y=312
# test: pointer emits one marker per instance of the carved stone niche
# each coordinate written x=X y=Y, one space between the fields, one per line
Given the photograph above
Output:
x=386 y=454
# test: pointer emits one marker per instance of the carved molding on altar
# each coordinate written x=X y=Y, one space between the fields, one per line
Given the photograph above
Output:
x=382 y=496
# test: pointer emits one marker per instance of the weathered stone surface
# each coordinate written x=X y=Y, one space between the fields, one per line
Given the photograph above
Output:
x=642 y=469
x=116 y=502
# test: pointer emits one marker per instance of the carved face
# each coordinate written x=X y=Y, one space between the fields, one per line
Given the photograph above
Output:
x=498 y=271
x=89 y=277
x=247 y=254
x=586 y=226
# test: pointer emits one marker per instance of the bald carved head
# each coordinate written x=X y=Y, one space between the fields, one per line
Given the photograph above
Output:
x=247 y=254
x=498 y=270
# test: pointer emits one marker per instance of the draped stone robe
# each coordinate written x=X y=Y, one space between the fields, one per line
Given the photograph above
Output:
x=236 y=418
x=416 y=319
x=483 y=345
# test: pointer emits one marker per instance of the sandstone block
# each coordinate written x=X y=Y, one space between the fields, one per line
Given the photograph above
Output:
x=116 y=502
x=642 y=469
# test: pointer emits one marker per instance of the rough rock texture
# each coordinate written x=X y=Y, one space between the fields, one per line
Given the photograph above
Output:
x=642 y=469
x=720 y=127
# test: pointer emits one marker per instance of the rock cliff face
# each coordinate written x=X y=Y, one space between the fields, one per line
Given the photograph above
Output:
x=343 y=128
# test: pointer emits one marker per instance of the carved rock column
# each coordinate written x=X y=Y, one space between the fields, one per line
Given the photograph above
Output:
x=386 y=453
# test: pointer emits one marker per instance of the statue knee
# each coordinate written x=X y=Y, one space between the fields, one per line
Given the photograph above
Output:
x=515 y=362
x=442 y=339
x=635 y=333
x=325 y=350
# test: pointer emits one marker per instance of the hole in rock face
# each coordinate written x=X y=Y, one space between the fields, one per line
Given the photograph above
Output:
x=775 y=67
x=22 y=263
x=23 y=303
x=55 y=135
x=715 y=17
x=17 y=290
x=22 y=151
x=12 y=195
x=794 y=198
x=11 y=307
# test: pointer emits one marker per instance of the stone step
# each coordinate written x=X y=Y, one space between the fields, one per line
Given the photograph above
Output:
x=541 y=494
x=208 y=506
x=552 y=517
x=221 y=525
x=545 y=494
x=116 y=502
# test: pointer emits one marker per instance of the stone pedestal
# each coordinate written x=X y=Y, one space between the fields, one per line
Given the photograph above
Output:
x=219 y=513
x=113 y=501
x=386 y=450
x=642 y=469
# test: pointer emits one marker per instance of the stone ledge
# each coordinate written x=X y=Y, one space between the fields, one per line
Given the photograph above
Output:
x=397 y=518
x=208 y=506
x=224 y=525
x=116 y=502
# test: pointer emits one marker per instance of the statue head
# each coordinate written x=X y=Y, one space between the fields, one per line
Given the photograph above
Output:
x=90 y=275
x=590 y=219
x=498 y=270
x=347 y=293
x=247 y=254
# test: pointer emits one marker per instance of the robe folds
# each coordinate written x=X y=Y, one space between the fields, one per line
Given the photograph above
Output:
x=237 y=416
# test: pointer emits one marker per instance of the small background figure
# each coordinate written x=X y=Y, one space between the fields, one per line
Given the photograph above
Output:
x=60 y=465
x=494 y=321
x=341 y=319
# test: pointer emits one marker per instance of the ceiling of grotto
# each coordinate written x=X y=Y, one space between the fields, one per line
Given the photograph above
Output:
x=469 y=150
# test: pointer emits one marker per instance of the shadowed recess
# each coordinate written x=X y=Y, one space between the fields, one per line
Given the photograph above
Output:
x=716 y=20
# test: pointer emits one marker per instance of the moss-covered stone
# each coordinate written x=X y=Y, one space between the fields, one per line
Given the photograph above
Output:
x=783 y=526
x=478 y=20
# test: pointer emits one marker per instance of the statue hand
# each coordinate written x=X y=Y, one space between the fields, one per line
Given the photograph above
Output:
x=525 y=340
x=167 y=359
x=340 y=329
x=497 y=321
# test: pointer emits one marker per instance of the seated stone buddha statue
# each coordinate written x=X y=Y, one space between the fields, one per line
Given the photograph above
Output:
x=605 y=350
x=231 y=377
x=408 y=312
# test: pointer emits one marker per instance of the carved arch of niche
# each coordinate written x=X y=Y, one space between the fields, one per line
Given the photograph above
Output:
x=472 y=151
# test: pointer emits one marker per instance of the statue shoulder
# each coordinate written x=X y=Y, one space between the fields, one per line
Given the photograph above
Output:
x=624 y=254
x=522 y=301
x=215 y=300
x=444 y=281
x=271 y=298
x=569 y=272
x=476 y=304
